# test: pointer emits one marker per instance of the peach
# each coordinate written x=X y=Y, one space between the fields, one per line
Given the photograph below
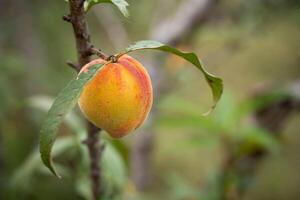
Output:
x=119 y=98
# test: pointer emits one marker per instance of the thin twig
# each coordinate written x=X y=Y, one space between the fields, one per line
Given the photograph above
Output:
x=83 y=46
x=99 y=53
x=74 y=66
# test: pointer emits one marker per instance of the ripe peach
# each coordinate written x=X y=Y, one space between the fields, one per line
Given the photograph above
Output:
x=119 y=97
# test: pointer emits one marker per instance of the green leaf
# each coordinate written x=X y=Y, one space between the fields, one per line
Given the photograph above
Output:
x=215 y=83
x=63 y=103
x=121 y=5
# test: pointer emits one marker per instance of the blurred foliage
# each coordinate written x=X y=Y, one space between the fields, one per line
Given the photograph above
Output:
x=113 y=166
x=250 y=44
x=120 y=4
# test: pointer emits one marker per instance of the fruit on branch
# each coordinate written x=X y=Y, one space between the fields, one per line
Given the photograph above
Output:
x=119 y=98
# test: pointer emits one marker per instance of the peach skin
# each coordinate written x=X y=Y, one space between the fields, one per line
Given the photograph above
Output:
x=119 y=98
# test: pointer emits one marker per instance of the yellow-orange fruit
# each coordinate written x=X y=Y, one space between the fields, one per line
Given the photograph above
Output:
x=119 y=98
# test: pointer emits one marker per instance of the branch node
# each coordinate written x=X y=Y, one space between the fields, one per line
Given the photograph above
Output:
x=113 y=58
x=67 y=18
x=77 y=67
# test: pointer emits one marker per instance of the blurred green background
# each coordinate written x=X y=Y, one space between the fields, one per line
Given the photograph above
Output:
x=248 y=148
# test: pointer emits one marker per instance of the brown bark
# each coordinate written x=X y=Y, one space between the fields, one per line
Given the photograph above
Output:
x=95 y=151
x=81 y=32
x=83 y=47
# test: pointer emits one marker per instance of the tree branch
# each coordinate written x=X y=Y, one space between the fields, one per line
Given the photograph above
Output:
x=186 y=18
x=81 y=31
x=99 y=53
x=83 y=46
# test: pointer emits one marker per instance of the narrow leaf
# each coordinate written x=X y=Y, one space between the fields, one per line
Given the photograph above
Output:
x=215 y=83
x=121 y=5
x=63 y=103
